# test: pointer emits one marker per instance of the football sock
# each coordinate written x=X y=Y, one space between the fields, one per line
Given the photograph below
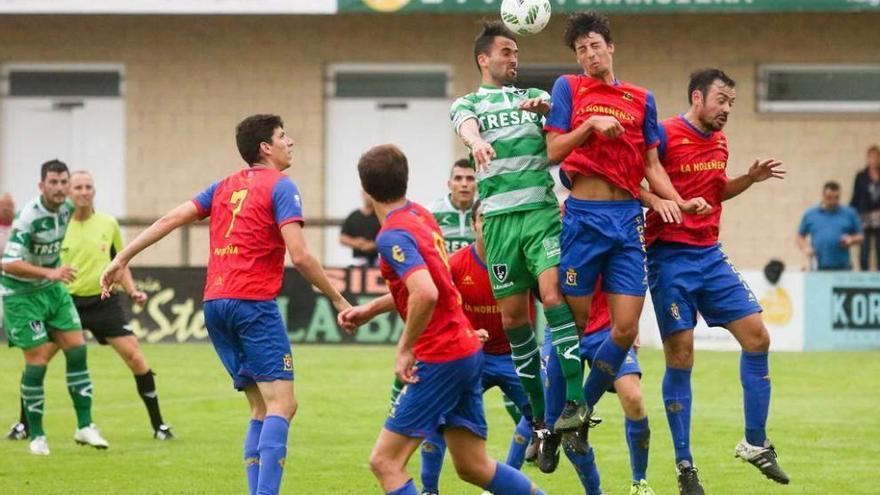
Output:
x=79 y=385
x=146 y=388
x=527 y=360
x=509 y=481
x=754 y=372
x=33 y=397
x=585 y=466
x=603 y=371
x=252 y=454
x=566 y=343
x=433 y=450
x=22 y=416
x=408 y=488
x=677 y=400
x=511 y=409
x=516 y=454
x=273 y=454
x=638 y=438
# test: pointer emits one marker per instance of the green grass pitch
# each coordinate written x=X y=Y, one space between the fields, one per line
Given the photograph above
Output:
x=824 y=421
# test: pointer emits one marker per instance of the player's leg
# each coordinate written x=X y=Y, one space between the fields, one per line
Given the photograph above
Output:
x=433 y=450
x=511 y=408
x=281 y=405
x=498 y=370
x=728 y=301
x=511 y=283
x=252 y=437
x=388 y=462
x=541 y=244
x=637 y=429
x=128 y=349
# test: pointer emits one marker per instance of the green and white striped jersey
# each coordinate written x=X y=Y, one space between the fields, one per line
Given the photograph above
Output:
x=518 y=178
x=36 y=238
x=455 y=224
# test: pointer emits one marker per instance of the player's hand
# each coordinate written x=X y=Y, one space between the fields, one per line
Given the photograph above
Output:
x=537 y=105
x=112 y=275
x=138 y=297
x=482 y=334
x=483 y=154
x=63 y=273
x=696 y=205
x=761 y=171
x=405 y=366
x=352 y=317
x=668 y=210
x=606 y=125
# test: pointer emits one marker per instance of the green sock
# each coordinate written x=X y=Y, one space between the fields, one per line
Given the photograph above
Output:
x=511 y=409
x=34 y=397
x=527 y=360
x=79 y=385
x=566 y=343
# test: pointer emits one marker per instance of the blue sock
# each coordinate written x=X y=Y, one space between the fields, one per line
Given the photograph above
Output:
x=516 y=454
x=603 y=371
x=585 y=466
x=754 y=372
x=509 y=481
x=252 y=454
x=433 y=450
x=677 y=399
x=408 y=488
x=273 y=453
x=638 y=437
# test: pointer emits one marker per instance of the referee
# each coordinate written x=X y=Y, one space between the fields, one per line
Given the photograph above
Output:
x=93 y=239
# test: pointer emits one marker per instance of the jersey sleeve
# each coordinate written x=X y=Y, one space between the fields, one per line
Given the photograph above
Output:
x=650 y=127
x=203 y=200
x=399 y=249
x=348 y=224
x=18 y=246
x=559 y=118
x=286 y=202
x=663 y=141
x=856 y=223
x=804 y=228
x=462 y=110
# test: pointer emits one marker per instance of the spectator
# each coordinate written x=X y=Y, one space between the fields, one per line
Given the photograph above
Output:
x=359 y=233
x=866 y=201
x=832 y=229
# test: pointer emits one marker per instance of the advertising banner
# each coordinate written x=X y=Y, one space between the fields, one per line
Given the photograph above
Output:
x=843 y=311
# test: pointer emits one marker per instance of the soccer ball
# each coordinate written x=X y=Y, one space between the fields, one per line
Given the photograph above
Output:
x=525 y=17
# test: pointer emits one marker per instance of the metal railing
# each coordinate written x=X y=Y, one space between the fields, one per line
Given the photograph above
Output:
x=143 y=222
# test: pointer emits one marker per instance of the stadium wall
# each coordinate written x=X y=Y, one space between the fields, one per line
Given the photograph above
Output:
x=189 y=79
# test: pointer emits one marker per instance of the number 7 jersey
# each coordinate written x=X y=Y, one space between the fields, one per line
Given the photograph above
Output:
x=247 y=210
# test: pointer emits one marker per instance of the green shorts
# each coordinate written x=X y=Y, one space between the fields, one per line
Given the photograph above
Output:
x=27 y=317
x=520 y=246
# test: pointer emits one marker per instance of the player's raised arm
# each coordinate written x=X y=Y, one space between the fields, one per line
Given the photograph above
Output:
x=308 y=266
x=760 y=171
x=183 y=214
x=659 y=182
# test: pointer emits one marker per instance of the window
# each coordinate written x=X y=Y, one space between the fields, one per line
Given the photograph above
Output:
x=360 y=82
x=819 y=88
x=543 y=77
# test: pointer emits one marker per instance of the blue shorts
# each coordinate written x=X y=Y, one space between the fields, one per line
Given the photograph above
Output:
x=251 y=340
x=607 y=238
x=689 y=279
x=498 y=370
x=554 y=382
x=447 y=395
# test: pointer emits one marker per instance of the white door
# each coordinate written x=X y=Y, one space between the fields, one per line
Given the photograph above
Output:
x=85 y=132
x=419 y=126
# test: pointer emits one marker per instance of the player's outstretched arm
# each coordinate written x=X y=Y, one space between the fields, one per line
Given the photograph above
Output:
x=308 y=266
x=482 y=151
x=758 y=172
x=423 y=296
x=659 y=182
x=183 y=214
x=350 y=319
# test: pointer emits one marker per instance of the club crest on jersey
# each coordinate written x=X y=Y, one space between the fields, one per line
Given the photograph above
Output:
x=397 y=254
x=673 y=310
x=500 y=271
x=571 y=277
x=288 y=362
x=627 y=96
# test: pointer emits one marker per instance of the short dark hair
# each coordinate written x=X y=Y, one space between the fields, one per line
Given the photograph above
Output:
x=703 y=78
x=832 y=186
x=384 y=173
x=584 y=23
x=252 y=131
x=461 y=163
x=484 y=40
x=475 y=208
x=54 y=165
x=873 y=149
